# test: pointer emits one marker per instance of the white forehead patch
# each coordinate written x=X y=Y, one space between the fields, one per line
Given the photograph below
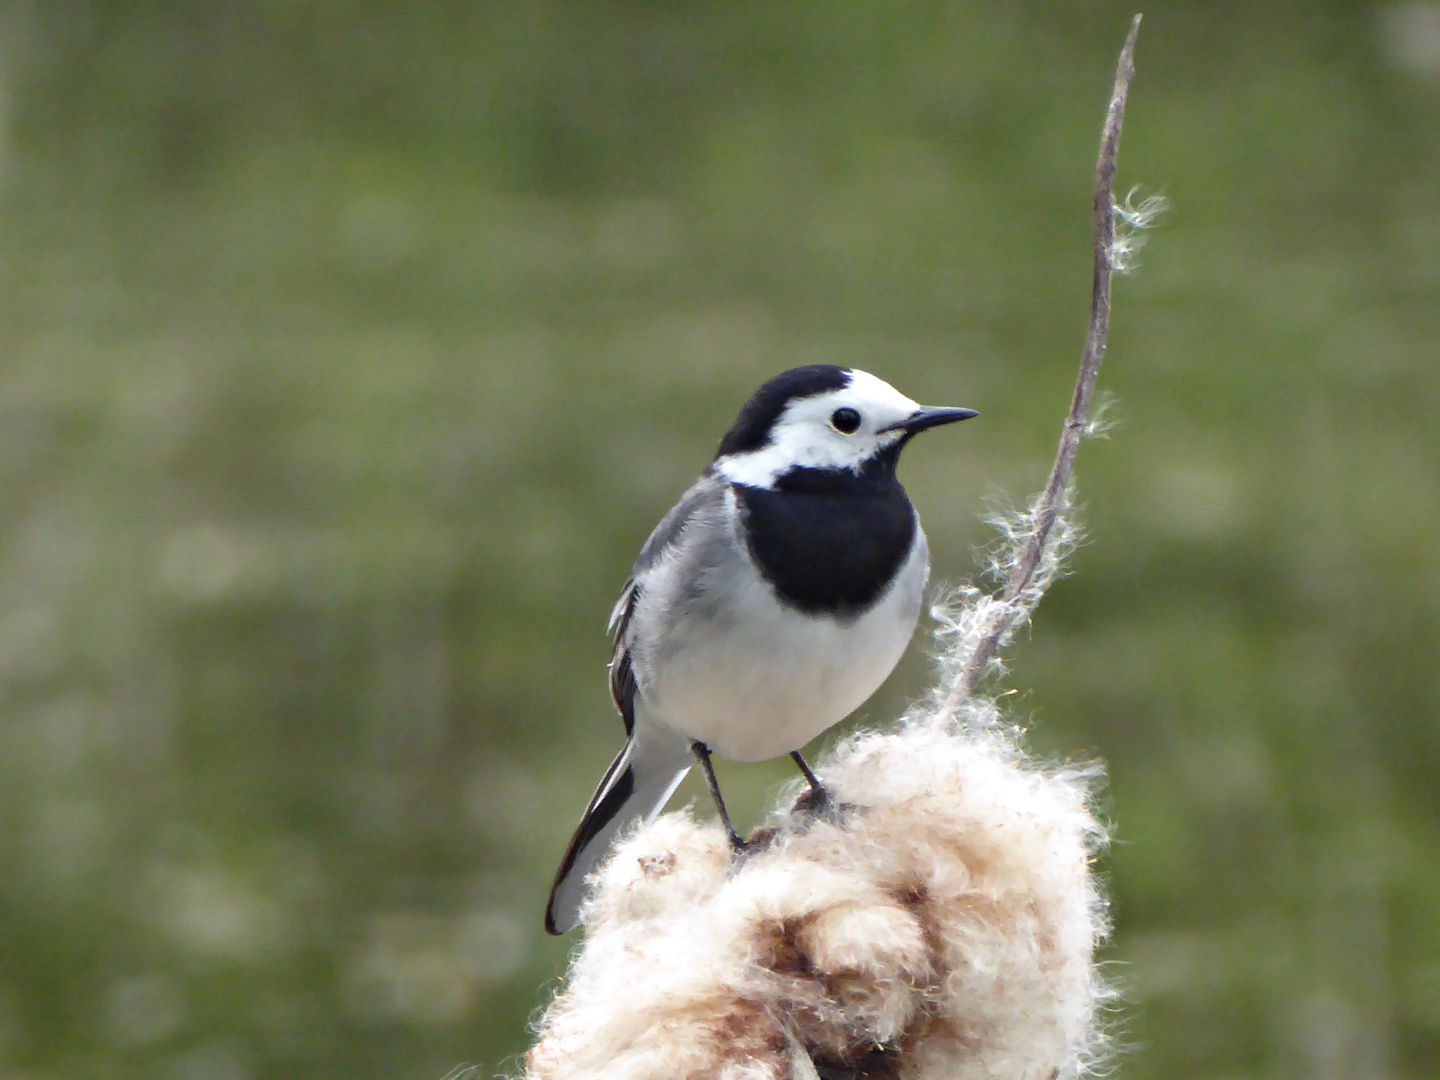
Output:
x=804 y=436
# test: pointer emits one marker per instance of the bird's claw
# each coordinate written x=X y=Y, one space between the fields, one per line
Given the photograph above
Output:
x=819 y=803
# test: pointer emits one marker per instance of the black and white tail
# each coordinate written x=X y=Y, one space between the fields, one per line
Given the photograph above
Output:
x=636 y=787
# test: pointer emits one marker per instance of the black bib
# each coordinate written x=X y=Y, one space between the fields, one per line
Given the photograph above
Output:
x=829 y=543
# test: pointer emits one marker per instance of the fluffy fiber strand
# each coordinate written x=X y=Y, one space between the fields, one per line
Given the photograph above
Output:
x=941 y=923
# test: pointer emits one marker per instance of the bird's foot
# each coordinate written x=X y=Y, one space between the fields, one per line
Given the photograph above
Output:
x=818 y=801
x=738 y=844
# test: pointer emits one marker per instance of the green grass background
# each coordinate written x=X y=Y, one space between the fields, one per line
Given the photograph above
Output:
x=348 y=352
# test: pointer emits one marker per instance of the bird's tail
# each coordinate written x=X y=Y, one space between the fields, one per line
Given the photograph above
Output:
x=636 y=786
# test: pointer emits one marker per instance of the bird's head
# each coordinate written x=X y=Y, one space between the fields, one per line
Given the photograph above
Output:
x=826 y=418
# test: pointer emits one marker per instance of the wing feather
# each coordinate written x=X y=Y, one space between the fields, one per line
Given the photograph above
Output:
x=702 y=498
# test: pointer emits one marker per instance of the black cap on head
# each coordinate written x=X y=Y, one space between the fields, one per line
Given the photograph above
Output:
x=751 y=429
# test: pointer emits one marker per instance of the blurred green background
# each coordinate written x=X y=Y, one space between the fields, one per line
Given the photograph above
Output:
x=348 y=352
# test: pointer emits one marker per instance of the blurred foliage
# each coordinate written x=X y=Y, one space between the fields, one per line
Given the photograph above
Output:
x=350 y=352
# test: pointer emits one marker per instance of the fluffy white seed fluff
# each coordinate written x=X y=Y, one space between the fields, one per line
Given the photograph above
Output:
x=1132 y=219
x=942 y=925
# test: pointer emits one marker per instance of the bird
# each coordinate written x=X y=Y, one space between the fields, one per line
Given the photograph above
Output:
x=769 y=604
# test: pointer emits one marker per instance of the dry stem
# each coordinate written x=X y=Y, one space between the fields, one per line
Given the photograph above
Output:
x=1010 y=612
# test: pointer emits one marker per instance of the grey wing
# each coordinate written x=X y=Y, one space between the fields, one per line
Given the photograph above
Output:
x=703 y=499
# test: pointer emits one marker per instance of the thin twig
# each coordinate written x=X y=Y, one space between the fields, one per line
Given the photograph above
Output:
x=1057 y=490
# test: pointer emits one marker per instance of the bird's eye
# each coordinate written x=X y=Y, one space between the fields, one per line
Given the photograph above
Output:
x=845 y=421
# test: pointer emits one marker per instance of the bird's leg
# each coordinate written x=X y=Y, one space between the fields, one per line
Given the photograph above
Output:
x=818 y=800
x=702 y=754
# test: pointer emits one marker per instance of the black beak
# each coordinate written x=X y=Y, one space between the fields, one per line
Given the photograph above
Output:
x=924 y=419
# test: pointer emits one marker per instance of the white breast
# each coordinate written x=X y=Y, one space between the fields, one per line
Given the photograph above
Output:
x=754 y=679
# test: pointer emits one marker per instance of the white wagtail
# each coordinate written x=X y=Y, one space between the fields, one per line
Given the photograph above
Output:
x=769 y=604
